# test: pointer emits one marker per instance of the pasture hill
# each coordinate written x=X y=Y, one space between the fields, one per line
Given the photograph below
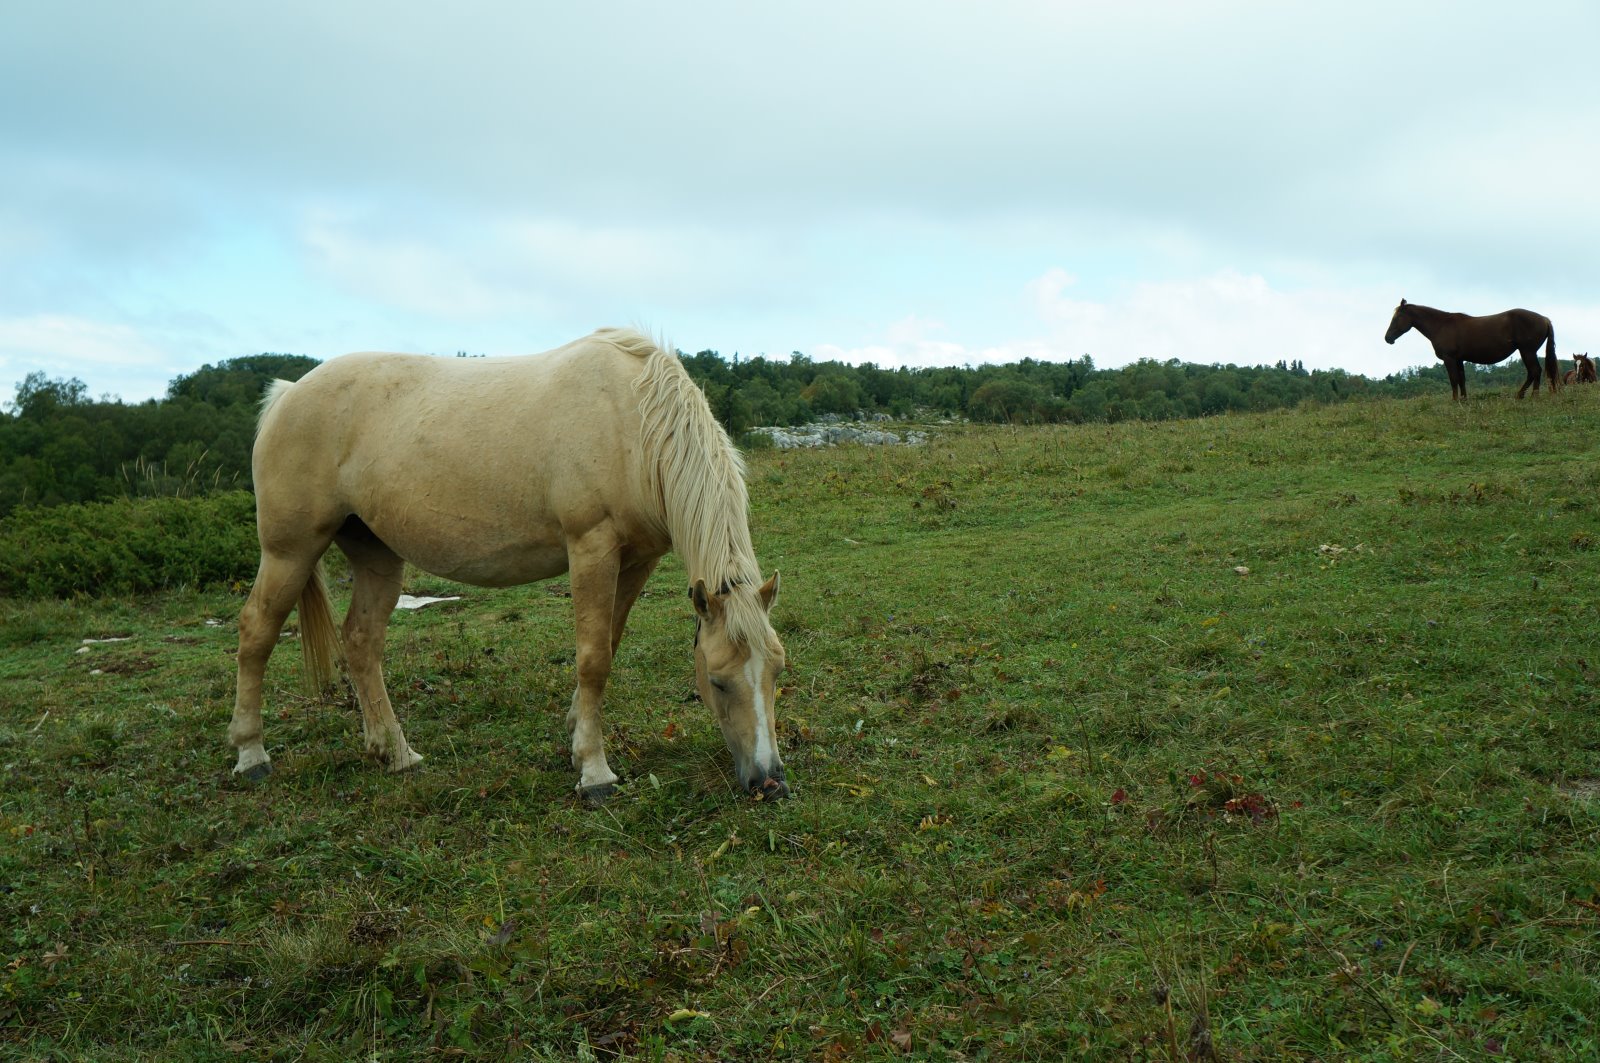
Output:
x=1260 y=736
x=57 y=445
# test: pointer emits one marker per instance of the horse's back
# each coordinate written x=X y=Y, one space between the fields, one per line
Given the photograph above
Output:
x=378 y=394
x=1491 y=337
x=1530 y=320
x=457 y=463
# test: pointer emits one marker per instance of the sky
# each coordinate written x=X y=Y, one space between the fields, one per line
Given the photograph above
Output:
x=912 y=184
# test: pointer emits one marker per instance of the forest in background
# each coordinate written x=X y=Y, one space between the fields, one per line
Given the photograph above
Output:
x=58 y=445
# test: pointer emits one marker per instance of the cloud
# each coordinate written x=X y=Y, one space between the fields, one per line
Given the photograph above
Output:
x=1221 y=317
x=46 y=336
x=908 y=343
x=47 y=343
x=475 y=267
x=1227 y=181
x=1226 y=316
x=404 y=272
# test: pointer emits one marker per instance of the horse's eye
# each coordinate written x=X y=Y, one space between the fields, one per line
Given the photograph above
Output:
x=720 y=684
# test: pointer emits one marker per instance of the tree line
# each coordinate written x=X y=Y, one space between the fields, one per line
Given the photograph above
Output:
x=58 y=445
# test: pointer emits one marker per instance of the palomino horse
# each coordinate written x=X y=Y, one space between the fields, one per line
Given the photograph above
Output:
x=1458 y=338
x=595 y=459
x=1582 y=371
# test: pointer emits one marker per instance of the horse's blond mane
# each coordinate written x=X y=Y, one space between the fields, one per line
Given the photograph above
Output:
x=695 y=479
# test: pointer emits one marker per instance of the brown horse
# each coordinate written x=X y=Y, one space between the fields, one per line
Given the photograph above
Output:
x=594 y=459
x=1582 y=372
x=1458 y=338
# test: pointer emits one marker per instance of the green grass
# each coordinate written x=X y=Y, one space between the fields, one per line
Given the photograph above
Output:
x=1269 y=736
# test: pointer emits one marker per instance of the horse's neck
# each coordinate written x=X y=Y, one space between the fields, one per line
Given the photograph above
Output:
x=1427 y=320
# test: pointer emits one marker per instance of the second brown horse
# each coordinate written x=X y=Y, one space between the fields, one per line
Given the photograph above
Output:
x=1459 y=338
x=1582 y=371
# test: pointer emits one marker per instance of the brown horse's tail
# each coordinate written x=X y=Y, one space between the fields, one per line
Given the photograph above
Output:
x=319 y=638
x=1551 y=370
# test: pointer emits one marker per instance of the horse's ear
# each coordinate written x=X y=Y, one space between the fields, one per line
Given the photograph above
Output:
x=769 y=592
x=707 y=606
x=1402 y=302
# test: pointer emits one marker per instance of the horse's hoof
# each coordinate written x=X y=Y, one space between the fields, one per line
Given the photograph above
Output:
x=770 y=790
x=405 y=762
x=255 y=772
x=595 y=796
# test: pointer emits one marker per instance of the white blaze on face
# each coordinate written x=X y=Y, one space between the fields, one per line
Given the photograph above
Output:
x=754 y=670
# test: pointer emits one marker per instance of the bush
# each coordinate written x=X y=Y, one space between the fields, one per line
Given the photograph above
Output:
x=755 y=441
x=128 y=546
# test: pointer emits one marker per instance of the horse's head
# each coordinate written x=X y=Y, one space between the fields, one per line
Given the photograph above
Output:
x=1400 y=324
x=737 y=659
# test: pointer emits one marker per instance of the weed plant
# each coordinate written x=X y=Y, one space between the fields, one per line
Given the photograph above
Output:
x=128 y=547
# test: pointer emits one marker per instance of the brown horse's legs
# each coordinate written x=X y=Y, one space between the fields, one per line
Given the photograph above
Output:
x=1458 y=377
x=594 y=566
x=1530 y=362
x=279 y=581
x=377 y=574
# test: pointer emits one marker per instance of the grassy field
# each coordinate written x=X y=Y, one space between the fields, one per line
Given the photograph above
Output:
x=1258 y=737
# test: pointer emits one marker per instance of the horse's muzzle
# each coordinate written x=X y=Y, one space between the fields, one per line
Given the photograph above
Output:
x=769 y=785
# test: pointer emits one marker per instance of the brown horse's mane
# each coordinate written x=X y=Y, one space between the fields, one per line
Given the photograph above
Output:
x=695 y=481
x=1423 y=318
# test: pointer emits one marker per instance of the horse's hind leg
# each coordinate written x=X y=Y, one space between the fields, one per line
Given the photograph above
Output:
x=377 y=573
x=279 y=581
x=1530 y=362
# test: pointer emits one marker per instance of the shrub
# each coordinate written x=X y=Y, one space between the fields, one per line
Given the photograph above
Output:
x=755 y=441
x=128 y=546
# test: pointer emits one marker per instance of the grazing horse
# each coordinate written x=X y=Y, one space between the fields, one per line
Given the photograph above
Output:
x=1458 y=338
x=594 y=459
x=1582 y=371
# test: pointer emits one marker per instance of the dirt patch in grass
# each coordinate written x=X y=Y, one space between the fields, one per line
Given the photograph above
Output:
x=1585 y=789
x=128 y=665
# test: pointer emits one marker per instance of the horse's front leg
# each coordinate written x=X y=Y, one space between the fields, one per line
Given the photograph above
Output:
x=630 y=583
x=593 y=563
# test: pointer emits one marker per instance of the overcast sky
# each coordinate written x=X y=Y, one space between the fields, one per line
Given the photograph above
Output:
x=919 y=183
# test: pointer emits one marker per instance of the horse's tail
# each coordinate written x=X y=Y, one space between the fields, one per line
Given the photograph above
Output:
x=275 y=390
x=319 y=638
x=1551 y=369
